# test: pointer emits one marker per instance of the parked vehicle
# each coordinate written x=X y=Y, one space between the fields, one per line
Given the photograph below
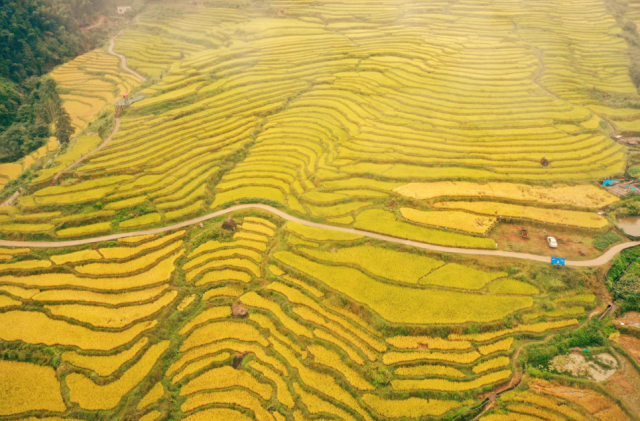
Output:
x=552 y=242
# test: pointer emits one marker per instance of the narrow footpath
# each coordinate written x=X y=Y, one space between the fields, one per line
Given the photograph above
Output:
x=605 y=258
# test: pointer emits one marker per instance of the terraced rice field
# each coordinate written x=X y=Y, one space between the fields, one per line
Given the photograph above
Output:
x=144 y=327
x=423 y=120
x=91 y=83
x=337 y=111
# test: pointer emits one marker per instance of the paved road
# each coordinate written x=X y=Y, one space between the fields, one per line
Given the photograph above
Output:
x=606 y=257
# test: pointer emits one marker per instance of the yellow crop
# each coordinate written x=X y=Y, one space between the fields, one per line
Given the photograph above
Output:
x=77 y=256
x=304 y=285
x=550 y=216
x=262 y=192
x=150 y=218
x=25 y=264
x=409 y=408
x=130 y=266
x=243 y=235
x=491 y=364
x=333 y=338
x=217 y=414
x=329 y=358
x=383 y=222
x=14 y=251
x=535 y=328
x=457 y=220
x=82 y=186
x=448 y=385
x=266 y=323
x=8 y=301
x=225 y=377
x=282 y=391
x=151 y=416
x=537 y=412
x=317 y=405
x=28 y=387
x=502 y=345
x=262 y=229
x=581 y=298
x=223 y=330
x=319 y=234
x=224 y=275
x=229 y=252
x=158 y=274
x=544 y=402
x=26 y=228
x=224 y=345
x=401 y=304
x=222 y=292
x=512 y=286
x=260 y=221
x=387 y=263
x=205 y=316
x=222 y=263
x=135 y=239
x=295 y=296
x=588 y=196
x=186 y=302
x=111 y=317
x=454 y=357
x=460 y=276
x=509 y=417
x=84 y=230
x=75 y=197
x=94 y=397
x=201 y=363
x=36 y=328
x=126 y=203
x=429 y=370
x=98 y=297
x=312 y=316
x=240 y=398
x=104 y=365
x=254 y=300
x=19 y=292
x=426 y=342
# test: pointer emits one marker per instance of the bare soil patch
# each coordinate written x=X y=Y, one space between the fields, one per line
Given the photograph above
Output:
x=578 y=365
x=570 y=241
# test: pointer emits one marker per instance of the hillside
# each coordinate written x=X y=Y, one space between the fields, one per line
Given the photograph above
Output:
x=398 y=149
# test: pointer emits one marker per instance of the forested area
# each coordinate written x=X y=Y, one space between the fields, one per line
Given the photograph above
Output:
x=36 y=36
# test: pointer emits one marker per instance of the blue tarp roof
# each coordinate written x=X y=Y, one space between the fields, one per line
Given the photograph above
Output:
x=609 y=182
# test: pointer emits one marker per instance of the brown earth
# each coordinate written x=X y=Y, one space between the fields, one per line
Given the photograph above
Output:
x=596 y=404
x=508 y=237
x=630 y=319
x=631 y=345
x=625 y=385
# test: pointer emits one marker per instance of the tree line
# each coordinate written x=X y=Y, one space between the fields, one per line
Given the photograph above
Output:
x=36 y=36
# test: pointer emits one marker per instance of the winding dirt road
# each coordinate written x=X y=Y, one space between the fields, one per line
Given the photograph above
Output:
x=606 y=257
x=123 y=64
x=123 y=59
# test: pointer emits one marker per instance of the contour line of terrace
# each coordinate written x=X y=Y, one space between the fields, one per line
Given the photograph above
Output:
x=605 y=258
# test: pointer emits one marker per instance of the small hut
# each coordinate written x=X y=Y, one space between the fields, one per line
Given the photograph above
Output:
x=229 y=224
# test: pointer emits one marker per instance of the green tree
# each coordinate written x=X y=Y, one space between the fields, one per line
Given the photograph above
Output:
x=64 y=129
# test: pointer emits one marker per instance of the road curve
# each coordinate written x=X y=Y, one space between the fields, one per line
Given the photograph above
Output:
x=606 y=257
x=123 y=59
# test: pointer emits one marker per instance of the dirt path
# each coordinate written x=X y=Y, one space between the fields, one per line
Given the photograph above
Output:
x=123 y=59
x=95 y=25
x=12 y=198
x=606 y=257
x=102 y=145
x=123 y=64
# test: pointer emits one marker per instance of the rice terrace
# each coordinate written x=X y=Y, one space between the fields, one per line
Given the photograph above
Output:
x=318 y=210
